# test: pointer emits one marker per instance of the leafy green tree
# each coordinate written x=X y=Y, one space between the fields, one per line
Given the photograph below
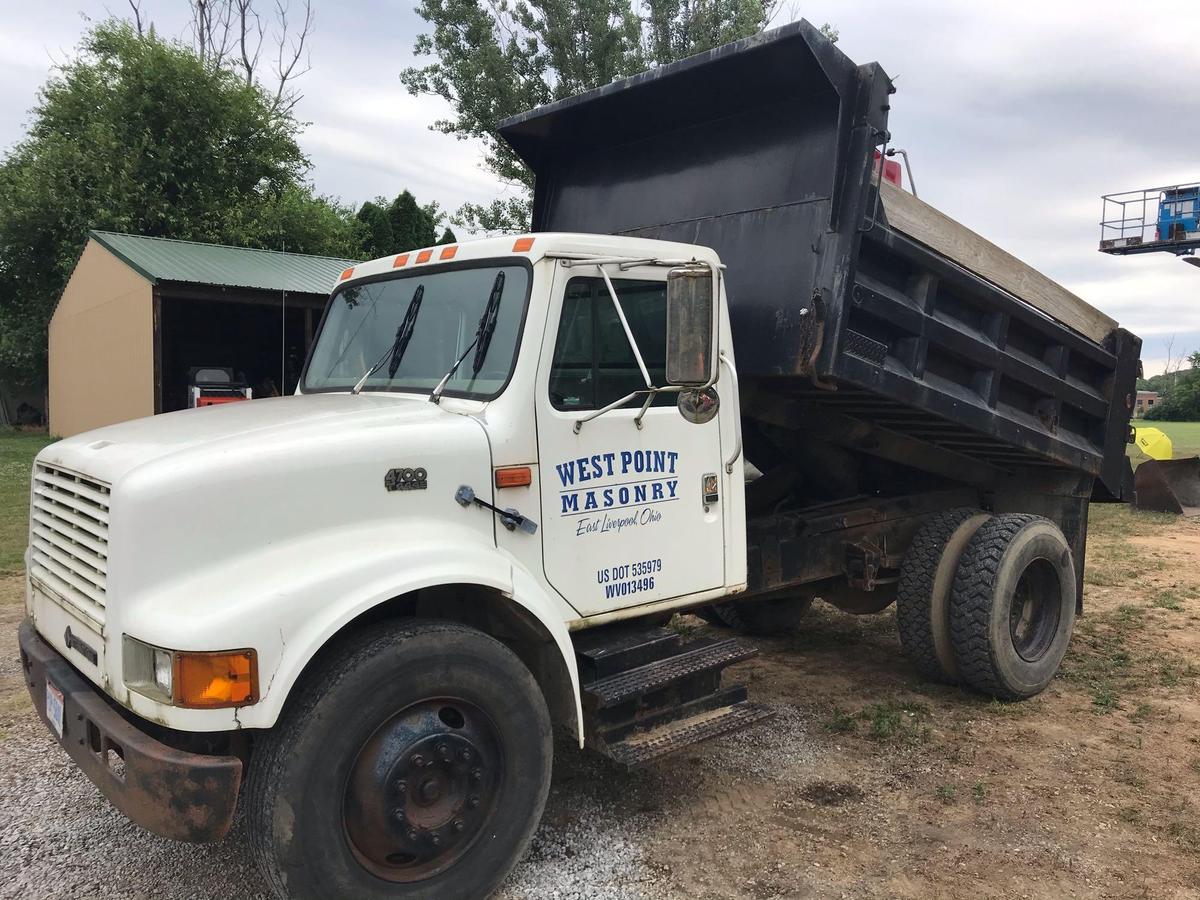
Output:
x=377 y=236
x=494 y=58
x=138 y=134
x=413 y=225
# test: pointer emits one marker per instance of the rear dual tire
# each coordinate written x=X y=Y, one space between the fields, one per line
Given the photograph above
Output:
x=1013 y=606
x=988 y=601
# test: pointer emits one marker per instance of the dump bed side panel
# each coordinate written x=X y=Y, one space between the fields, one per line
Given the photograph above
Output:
x=763 y=150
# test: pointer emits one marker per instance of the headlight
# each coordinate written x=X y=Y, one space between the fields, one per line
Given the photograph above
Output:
x=188 y=678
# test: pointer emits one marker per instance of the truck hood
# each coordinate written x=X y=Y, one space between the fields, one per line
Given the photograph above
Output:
x=203 y=487
x=110 y=453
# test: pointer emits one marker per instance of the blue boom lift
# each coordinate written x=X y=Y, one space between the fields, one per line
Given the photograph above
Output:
x=1152 y=220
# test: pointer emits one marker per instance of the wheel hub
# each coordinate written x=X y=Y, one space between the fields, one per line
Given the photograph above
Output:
x=422 y=789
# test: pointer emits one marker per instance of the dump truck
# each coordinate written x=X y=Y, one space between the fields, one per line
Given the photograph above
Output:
x=728 y=372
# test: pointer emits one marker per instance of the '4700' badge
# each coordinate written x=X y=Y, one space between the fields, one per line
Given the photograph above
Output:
x=406 y=479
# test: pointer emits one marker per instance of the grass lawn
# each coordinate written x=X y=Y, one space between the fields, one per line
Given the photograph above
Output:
x=1185 y=438
x=17 y=450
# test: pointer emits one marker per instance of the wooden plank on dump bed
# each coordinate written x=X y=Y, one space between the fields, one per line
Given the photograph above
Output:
x=921 y=222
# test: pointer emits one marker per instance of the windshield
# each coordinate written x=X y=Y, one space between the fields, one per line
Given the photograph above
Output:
x=362 y=323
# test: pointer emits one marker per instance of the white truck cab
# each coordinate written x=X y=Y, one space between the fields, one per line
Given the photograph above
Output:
x=484 y=434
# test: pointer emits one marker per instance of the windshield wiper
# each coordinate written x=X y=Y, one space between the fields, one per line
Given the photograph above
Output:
x=483 y=337
x=395 y=352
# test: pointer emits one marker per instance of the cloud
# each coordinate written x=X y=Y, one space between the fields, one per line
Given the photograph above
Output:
x=1018 y=117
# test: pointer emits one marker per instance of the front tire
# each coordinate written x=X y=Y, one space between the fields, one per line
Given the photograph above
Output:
x=1012 y=609
x=413 y=762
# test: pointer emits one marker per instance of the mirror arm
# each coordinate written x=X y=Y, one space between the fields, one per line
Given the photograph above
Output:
x=637 y=354
x=637 y=420
x=596 y=413
x=737 y=402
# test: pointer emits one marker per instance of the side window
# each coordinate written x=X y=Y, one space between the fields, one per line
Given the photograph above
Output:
x=593 y=362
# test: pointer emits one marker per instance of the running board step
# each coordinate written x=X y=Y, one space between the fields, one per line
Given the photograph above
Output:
x=646 y=746
x=646 y=679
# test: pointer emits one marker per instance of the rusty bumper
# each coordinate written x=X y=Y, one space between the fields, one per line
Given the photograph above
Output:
x=173 y=793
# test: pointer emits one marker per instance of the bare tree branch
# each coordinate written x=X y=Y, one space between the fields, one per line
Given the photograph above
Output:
x=136 y=6
x=232 y=33
x=251 y=31
x=290 y=50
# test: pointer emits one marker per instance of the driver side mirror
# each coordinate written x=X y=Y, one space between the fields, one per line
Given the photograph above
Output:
x=691 y=326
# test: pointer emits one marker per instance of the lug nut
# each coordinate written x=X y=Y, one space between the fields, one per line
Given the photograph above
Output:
x=398 y=814
x=464 y=754
x=458 y=825
x=476 y=774
x=437 y=840
x=444 y=752
x=418 y=760
x=412 y=834
x=401 y=786
x=473 y=801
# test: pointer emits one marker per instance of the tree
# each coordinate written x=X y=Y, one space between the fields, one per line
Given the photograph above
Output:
x=495 y=58
x=413 y=225
x=232 y=34
x=377 y=237
x=139 y=134
x=447 y=237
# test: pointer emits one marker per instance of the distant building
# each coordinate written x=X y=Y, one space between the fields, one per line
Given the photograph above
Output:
x=1144 y=403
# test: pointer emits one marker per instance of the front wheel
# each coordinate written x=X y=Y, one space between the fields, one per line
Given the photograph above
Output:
x=414 y=763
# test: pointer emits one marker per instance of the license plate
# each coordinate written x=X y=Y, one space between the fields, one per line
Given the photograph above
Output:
x=54 y=708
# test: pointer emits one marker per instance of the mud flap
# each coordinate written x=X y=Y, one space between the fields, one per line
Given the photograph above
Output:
x=1168 y=485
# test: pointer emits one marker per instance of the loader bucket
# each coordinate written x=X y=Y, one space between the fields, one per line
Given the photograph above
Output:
x=1168 y=485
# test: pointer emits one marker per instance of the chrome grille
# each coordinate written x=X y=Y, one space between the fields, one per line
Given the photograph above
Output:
x=68 y=533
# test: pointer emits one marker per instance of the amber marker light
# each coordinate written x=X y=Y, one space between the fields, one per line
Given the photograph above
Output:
x=424 y=256
x=215 y=680
x=448 y=252
x=523 y=245
x=401 y=260
x=514 y=476
x=346 y=274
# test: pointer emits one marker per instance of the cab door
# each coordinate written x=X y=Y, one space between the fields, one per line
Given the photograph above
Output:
x=626 y=517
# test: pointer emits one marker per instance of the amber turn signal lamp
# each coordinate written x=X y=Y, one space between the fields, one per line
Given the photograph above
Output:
x=214 y=680
x=424 y=256
x=401 y=260
x=522 y=245
x=448 y=252
x=346 y=274
x=514 y=476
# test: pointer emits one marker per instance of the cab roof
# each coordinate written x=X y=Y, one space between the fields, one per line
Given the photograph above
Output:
x=533 y=247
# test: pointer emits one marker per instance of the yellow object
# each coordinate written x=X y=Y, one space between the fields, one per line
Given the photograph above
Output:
x=210 y=680
x=1153 y=443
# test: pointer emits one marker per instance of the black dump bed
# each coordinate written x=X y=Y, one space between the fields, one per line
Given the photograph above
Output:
x=843 y=323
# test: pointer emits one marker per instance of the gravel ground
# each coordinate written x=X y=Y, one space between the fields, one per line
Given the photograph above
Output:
x=63 y=840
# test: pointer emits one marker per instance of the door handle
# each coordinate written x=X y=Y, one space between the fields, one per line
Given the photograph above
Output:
x=509 y=517
x=737 y=411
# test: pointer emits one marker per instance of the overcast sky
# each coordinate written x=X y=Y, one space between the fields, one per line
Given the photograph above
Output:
x=1017 y=115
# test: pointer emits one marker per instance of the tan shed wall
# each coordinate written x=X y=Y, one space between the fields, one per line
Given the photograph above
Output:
x=101 y=346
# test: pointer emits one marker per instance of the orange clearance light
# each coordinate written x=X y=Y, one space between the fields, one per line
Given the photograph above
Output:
x=424 y=256
x=514 y=476
x=448 y=252
x=523 y=245
x=213 y=680
x=401 y=260
x=346 y=274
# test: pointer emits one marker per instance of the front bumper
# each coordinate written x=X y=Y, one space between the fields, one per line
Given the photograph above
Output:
x=173 y=793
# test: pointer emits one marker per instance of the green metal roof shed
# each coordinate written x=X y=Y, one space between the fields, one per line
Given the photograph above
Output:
x=161 y=259
x=140 y=314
